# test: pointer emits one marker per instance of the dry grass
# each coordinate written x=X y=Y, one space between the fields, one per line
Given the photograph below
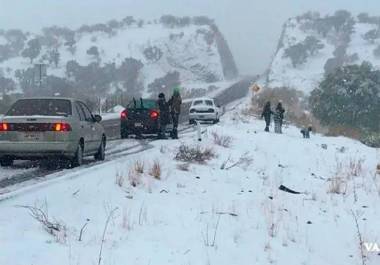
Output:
x=222 y=140
x=155 y=170
x=134 y=178
x=194 y=154
x=378 y=169
x=139 y=167
x=356 y=168
x=337 y=185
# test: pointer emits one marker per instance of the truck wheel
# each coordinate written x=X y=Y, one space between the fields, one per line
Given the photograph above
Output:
x=6 y=162
x=77 y=161
x=101 y=154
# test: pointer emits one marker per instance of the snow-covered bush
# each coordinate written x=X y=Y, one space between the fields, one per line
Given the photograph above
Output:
x=194 y=154
x=155 y=170
x=222 y=140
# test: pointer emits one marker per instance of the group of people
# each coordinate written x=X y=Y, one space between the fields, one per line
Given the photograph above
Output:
x=278 y=116
x=169 y=111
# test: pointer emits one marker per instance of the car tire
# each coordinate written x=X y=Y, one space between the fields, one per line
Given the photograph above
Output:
x=77 y=161
x=191 y=122
x=101 y=154
x=6 y=162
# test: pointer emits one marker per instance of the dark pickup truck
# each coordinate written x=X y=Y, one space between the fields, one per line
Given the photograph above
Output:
x=140 y=117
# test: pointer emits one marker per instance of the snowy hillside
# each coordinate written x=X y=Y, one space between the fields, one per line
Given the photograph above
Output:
x=228 y=210
x=194 y=52
x=334 y=40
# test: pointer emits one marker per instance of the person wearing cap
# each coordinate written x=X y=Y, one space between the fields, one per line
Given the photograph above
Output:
x=164 y=118
x=175 y=103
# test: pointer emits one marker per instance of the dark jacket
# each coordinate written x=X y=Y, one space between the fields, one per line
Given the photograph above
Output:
x=267 y=112
x=164 y=111
x=280 y=110
x=175 y=103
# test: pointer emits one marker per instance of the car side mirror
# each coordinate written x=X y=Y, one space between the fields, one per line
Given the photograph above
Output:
x=97 y=118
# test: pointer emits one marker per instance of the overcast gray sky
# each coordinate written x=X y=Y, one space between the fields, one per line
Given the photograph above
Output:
x=252 y=27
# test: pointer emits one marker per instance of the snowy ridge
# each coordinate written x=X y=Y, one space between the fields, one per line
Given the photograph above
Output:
x=208 y=215
x=198 y=53
x=306 y=76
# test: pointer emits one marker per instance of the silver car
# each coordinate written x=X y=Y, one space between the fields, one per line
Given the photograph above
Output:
x=40 y=128
x=204 y=109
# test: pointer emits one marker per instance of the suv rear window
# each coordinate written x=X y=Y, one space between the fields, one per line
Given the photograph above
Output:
x=208 y=102
x=40 y=107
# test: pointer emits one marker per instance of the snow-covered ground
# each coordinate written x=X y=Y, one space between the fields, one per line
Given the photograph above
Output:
x=207 y=215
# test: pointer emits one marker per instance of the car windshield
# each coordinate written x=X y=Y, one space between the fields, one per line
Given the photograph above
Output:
x=142 y=104
x=40 y=107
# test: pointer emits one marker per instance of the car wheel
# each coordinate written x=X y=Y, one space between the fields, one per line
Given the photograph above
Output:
x=191 y=122
x=6 y=162
x=101 y=154
x=77 y=161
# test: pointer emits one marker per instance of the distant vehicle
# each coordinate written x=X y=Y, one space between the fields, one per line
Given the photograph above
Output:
x=140 y=117
x=54 y=128
x=204 y=109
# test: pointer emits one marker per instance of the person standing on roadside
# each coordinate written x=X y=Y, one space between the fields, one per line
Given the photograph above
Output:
x=164 y=118
x=267 y=113
x=175 y=103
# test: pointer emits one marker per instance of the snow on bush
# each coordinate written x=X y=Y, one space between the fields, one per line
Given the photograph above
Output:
x=194 y=154
x=222 y=140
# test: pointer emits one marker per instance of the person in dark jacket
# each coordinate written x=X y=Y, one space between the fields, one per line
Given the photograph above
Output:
x=306 y=132
x=175 y=103
x=164 y=119
x=278 y=118
x=267 y=112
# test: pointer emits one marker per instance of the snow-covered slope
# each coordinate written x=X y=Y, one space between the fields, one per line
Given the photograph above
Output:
x=226 y=211
x=197 y=52
x=348 y=43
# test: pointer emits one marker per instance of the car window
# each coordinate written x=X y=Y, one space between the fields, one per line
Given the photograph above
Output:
x=86 y=112
x=209 y=102
x=144 y=103
x=79 y=112
x=197 y=102
x=40 y=107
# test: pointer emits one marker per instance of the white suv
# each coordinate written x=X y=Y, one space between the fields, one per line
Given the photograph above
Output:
x=204 y=109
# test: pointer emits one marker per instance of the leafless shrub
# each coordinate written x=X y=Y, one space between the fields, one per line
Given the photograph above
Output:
x=356 y=167
x=337 y=185
x=155 y=170
x=183 y=167
x=378 y=168
x=194 y=154
x=222 y=140
x=244 y=161
x=208 y=241
x=54 y=228
x=139 y=167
